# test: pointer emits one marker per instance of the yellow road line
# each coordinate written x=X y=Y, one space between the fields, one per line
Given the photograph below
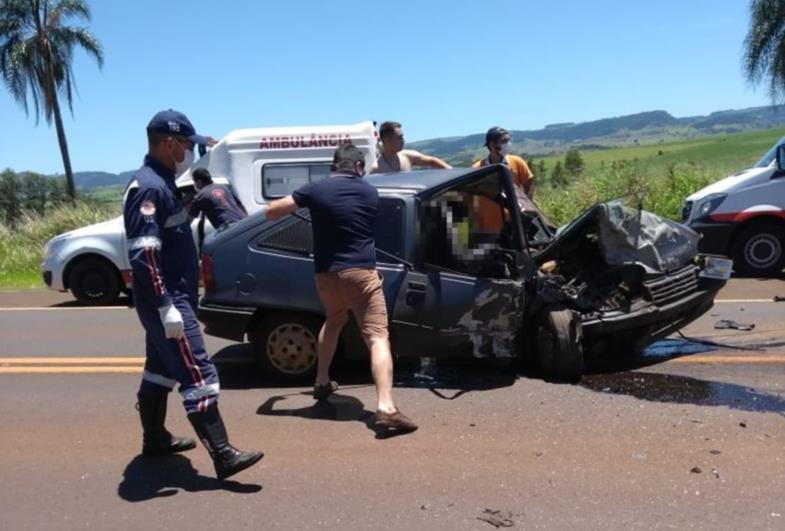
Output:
x=72 y=361
x=46 y=309
x=736 y=301
x=71 y=370
x=731 y=360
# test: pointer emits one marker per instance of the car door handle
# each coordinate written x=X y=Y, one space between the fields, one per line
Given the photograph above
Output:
x=417 y=287
x=415 y=294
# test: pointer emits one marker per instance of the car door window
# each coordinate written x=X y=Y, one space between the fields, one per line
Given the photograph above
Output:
x=466 y=229
x=389 y=234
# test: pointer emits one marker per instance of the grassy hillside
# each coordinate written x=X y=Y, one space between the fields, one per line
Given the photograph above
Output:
x=723 y=154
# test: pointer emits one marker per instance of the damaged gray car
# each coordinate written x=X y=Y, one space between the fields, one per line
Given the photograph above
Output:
x=471 y=268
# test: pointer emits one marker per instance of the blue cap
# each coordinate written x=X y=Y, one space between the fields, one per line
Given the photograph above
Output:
x=175 y=123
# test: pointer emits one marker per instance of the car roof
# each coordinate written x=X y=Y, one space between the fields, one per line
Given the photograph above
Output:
x=418 y=180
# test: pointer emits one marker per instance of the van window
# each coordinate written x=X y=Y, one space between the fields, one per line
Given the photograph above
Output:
x=280 y=180
x=770 y=155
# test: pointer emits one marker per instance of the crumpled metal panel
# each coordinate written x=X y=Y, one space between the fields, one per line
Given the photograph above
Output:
x=495 y=318
x=630 y=235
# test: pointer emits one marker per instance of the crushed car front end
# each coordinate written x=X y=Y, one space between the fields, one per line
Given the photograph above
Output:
x=632 y=276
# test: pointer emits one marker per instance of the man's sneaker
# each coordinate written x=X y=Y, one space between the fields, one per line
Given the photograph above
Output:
x=322 y=391
x=397 y=422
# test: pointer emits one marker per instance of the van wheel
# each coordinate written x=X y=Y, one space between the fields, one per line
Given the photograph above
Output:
x=559 y=348
x=285 y=346
x=758 y=250
x=94 y=282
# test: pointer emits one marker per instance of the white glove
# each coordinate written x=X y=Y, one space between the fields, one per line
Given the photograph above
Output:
x=172 y=321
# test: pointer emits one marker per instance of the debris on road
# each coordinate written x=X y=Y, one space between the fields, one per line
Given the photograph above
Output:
x=779 y=298
x=498 y=518
x=743 y=424
x=724 y=324
x=696 y=470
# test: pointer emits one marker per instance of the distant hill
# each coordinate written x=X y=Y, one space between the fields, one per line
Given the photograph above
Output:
x=650 y=127
x=641 y=128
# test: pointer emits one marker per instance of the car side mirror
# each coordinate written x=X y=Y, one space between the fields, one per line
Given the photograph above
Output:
x=781 y=158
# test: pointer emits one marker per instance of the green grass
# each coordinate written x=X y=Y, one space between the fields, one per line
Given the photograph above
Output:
x=721 y=154
x=22 y=246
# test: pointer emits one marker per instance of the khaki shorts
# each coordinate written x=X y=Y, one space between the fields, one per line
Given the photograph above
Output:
x=358 y=290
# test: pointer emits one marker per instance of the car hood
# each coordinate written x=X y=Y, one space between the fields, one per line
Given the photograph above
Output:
x=629 y=235
x=113 y=226
x=735 y=182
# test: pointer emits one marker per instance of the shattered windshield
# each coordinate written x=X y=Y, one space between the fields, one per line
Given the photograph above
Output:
x=629 y=234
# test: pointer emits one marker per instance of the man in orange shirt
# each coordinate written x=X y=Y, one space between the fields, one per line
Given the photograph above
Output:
x=499 y=143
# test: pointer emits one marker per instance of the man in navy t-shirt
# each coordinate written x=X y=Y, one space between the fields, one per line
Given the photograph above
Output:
x=343 y=215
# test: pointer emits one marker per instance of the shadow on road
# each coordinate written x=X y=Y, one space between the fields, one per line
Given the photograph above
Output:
x=655 y=387
x=148 y=478
x=120 y=302
x=449 y=380
x=336 y=407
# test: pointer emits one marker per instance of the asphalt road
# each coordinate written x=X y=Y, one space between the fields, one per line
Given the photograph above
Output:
x=691 y=437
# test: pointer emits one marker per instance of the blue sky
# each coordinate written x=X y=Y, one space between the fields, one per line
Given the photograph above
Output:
x=442 y=68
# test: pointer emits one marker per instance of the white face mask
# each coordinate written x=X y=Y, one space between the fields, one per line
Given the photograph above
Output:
x=505 y=149
x=188 y=160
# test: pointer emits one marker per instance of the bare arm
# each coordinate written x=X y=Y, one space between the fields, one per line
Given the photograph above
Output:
x=419 y=159
x=281 y=207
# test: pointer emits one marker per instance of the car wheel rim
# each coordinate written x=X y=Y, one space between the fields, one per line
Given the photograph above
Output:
x=762 y=251
x=94 y=285
x=291 y=348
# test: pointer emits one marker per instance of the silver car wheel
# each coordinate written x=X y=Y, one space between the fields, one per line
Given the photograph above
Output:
x=291 y=348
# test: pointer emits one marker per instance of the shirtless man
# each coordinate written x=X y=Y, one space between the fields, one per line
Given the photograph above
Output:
x=395 y=158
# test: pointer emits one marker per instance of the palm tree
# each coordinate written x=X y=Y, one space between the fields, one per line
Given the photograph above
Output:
x=764 y=46
x=36 y=49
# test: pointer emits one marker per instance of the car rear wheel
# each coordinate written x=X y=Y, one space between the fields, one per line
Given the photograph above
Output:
x=558 y=345
x=94 y=282
x=758 y=250
x=285 y=346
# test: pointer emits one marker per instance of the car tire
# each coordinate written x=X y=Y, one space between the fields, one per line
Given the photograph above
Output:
x=285 y=346
x=559 y=345
x=94 y=282
x=759 y=250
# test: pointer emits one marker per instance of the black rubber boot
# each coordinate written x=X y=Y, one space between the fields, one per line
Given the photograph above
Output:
x=228 y=460
x=157 y=440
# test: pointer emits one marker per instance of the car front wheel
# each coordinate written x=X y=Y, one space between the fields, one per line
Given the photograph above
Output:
x=94 y=282
x=558 y=345
x=285 y=346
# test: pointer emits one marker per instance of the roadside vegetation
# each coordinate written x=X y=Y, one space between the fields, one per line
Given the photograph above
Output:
x=33 y=209
x=665 y=173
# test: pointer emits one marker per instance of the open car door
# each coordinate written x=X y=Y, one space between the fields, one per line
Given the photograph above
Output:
x=466 y=291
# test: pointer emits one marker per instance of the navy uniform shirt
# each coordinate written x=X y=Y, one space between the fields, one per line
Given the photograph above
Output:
x=343 y=213
x=160 y=244
x=219 y=204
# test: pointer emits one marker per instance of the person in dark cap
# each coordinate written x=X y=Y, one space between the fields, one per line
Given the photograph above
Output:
x=218 y=202
x=165 y=282
x=499 y=143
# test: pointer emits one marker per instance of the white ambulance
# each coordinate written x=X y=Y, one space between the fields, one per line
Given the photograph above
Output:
x=743 y=216
x=260 y=164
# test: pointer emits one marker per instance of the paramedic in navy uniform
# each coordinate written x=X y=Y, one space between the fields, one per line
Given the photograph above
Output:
x=165 y=288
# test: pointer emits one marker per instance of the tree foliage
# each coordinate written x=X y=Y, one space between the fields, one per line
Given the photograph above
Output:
x=573 y=163
x=764 y=46
x=36 y=54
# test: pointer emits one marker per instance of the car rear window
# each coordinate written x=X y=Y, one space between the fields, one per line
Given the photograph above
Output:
x=295 y=236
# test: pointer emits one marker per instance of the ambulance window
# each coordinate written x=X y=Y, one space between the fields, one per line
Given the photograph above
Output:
x=280 y=180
